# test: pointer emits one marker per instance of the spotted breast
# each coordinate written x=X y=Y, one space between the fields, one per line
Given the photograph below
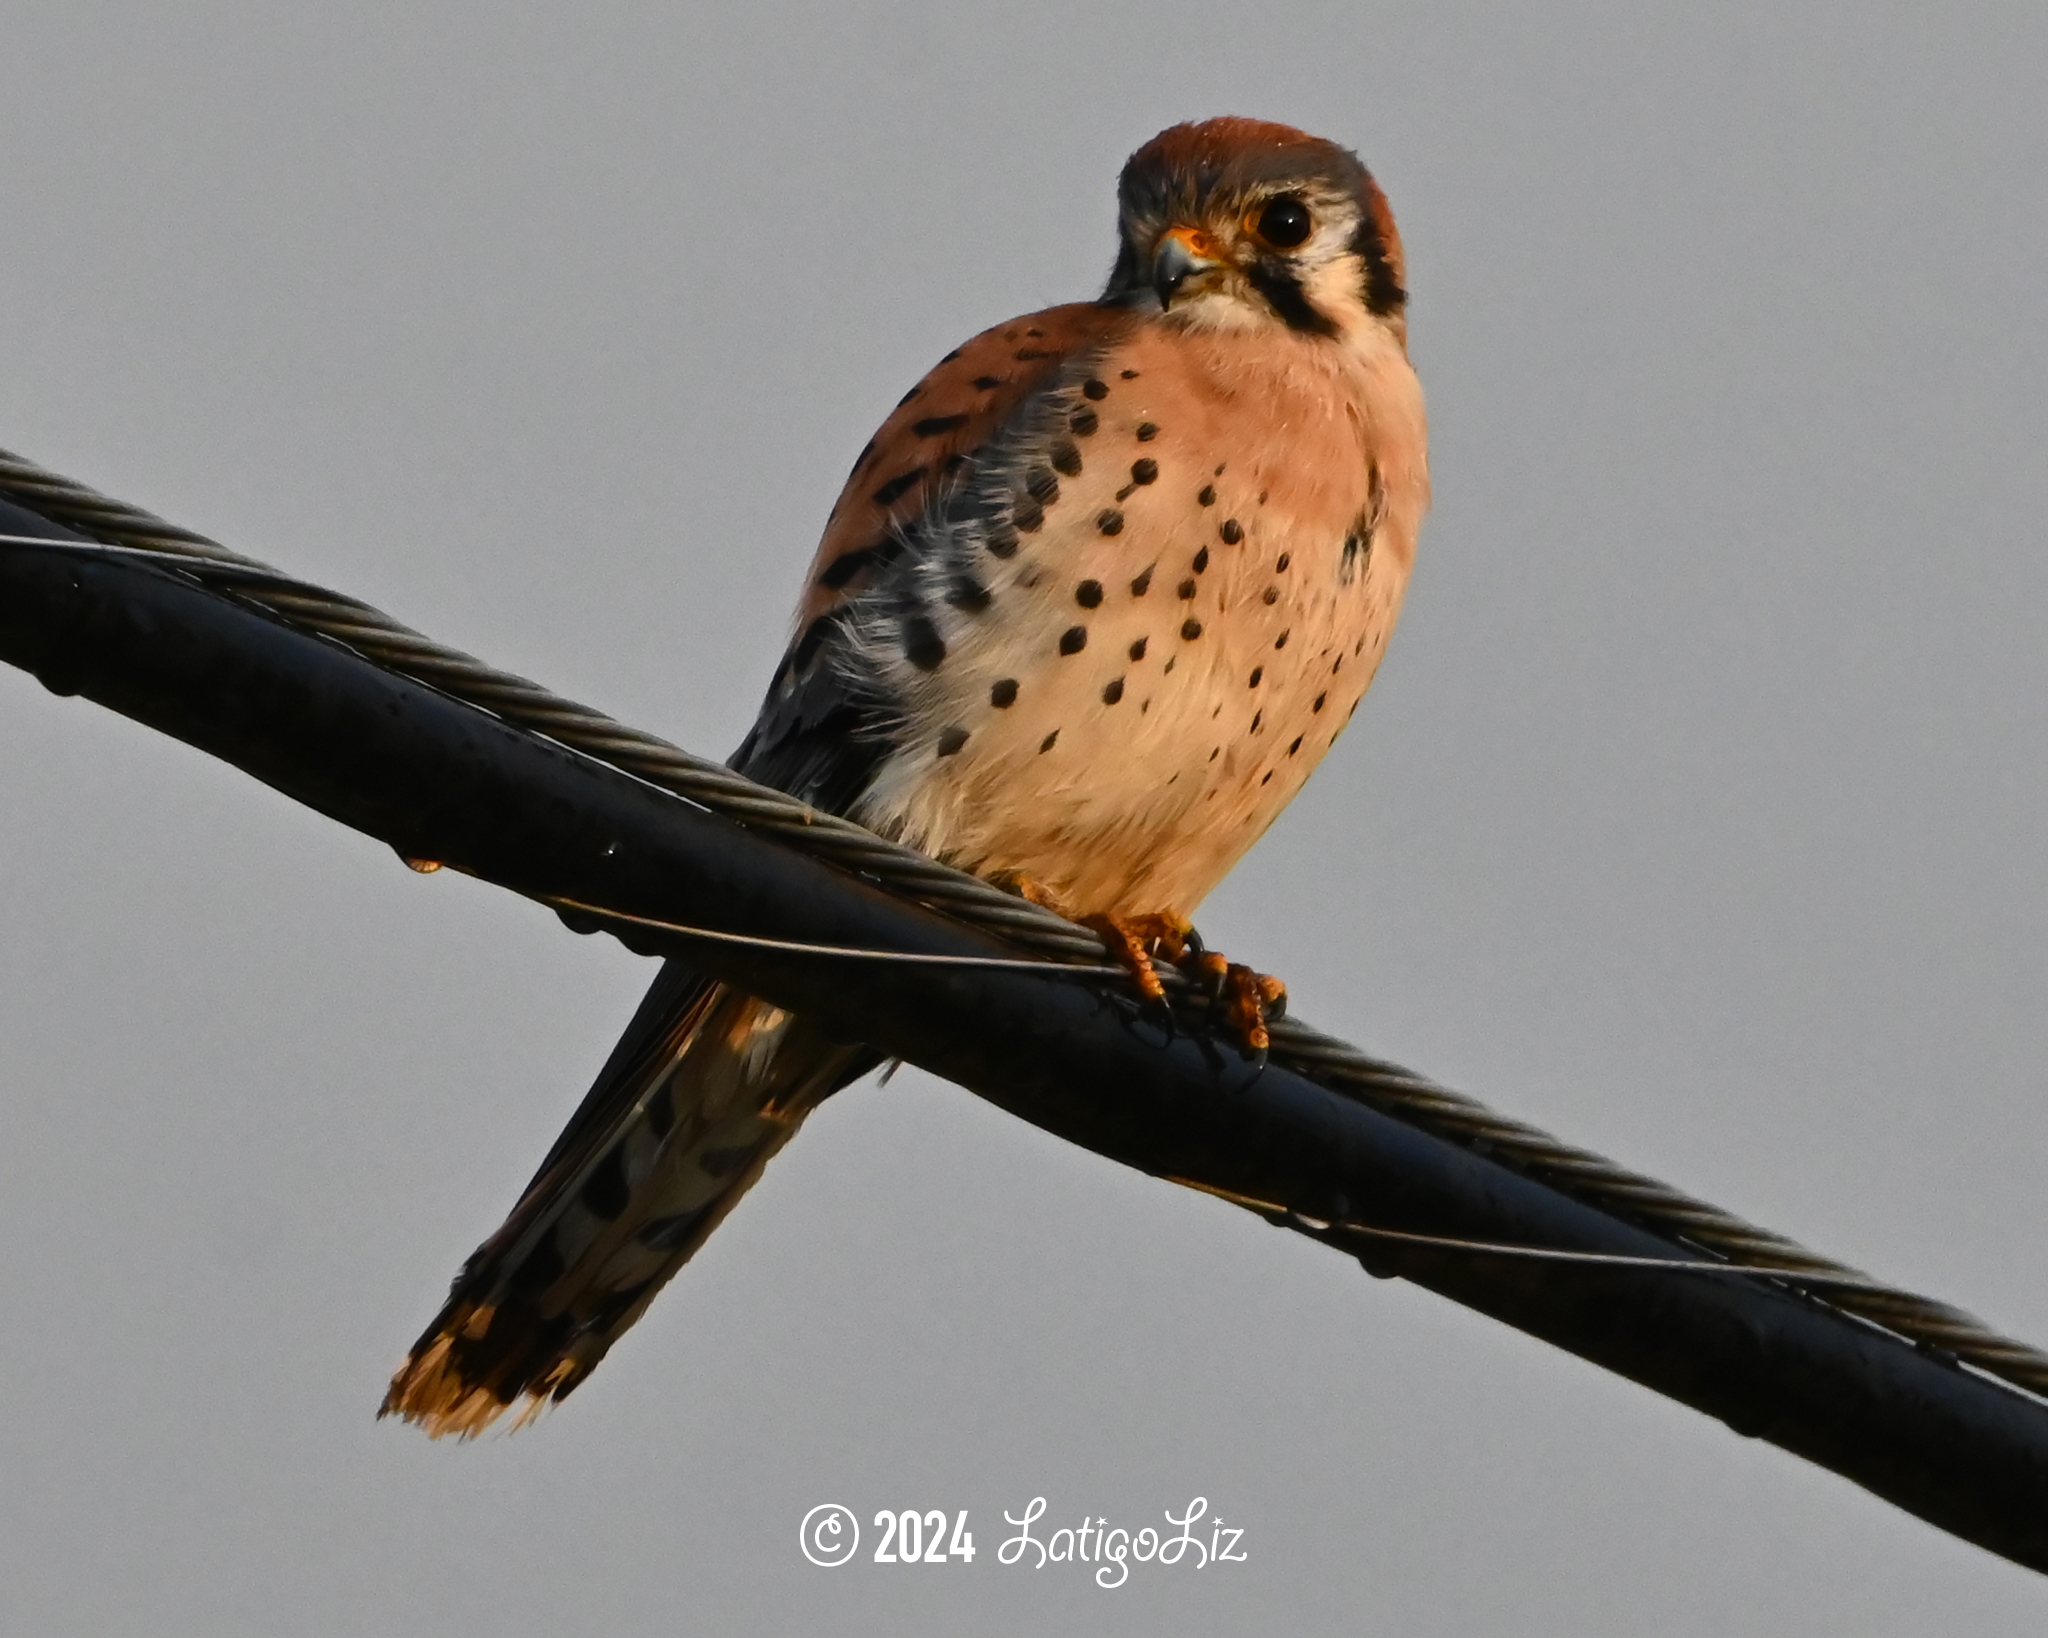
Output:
x=1123 y=632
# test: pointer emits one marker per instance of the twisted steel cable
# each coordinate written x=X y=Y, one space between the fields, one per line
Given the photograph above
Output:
x=1578 y=1173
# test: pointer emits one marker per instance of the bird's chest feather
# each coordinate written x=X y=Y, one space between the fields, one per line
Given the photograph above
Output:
x=1121 y=704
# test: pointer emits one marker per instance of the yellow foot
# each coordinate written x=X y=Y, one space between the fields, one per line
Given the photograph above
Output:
x=1136 y=940
x=1243 y=999
x=1247 y=998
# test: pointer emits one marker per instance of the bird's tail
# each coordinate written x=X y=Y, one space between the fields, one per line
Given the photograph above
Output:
x=707 y=1084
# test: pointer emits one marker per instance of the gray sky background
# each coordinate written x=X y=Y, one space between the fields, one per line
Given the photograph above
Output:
x=1696 y=814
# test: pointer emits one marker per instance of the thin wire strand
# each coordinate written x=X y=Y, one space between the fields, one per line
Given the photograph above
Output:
x=915 y=958
x=98 y=548
x=1334 y=1064
x=1552 y=1254
x=1329 y=1228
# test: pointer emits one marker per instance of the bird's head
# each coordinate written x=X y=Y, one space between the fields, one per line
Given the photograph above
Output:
x=1236 y=223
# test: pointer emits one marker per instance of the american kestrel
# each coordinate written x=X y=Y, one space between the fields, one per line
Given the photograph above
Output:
x=1096 y=598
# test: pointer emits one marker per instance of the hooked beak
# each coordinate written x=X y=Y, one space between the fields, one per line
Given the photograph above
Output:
x=1181 y=254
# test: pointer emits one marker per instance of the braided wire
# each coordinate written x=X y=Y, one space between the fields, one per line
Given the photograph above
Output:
x=1578 y=1173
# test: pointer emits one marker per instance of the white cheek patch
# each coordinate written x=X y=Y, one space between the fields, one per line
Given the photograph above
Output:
x=1337 y=289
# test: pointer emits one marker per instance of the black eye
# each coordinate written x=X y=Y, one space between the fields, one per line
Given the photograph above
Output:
x=1284 y=223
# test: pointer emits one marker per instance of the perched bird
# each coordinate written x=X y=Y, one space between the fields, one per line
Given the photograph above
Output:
x=1096 y=598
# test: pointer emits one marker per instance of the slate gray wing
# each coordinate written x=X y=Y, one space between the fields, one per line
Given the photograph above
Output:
x=955 y=472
